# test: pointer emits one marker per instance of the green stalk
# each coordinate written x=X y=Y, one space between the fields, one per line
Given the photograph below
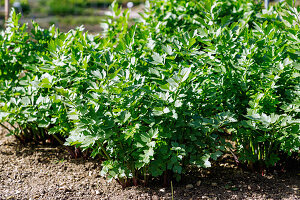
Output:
x=105 y=153
x=271 y=143
x=172 y=191
x=269 y=149
x=101 y=153
x=35 y=136
x=265 y=152
x=102 y=148
x=12 y=126
x=25 y=132
x=252 y=147
x=145 y=174
x=259 y=152
x=59 y=140
x=42 y=133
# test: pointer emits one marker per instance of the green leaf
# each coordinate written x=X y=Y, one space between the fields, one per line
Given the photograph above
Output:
x=3 y=115
x=177 y=169
x=157 y=111
x=157 y=59
x=216 y=155
x=167 y=49
x=185 y=73
x=98 y=74
x=43 y=123
x=206 y=161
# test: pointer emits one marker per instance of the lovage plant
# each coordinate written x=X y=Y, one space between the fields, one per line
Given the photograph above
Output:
x=155 y=98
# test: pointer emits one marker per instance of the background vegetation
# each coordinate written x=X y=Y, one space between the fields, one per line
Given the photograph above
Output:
x=67 y=7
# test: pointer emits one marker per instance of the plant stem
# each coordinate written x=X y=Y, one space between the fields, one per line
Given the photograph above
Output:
x=236 y=159
x=5 y=127
x=59 y=140
x=252 y=147
x=12 y=126
x=172 y=191
x=105 y=153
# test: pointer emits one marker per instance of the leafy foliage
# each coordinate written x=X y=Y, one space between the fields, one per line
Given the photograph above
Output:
x=165 y=93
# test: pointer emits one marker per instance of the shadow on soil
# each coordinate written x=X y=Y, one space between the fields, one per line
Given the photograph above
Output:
x=223 y=180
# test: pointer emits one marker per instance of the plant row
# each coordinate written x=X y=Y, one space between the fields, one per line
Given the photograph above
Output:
x=192 y=80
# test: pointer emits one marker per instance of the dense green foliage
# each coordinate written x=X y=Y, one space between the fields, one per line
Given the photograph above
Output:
x=163 y=94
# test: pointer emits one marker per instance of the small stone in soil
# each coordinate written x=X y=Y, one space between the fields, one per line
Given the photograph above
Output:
x=97 y=192
x=198 y=183
x=189 y=186
x=214 y=184
x=62 y=188
x=162 y=190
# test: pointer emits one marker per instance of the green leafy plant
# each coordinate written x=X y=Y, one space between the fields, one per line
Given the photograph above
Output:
x=167 y=93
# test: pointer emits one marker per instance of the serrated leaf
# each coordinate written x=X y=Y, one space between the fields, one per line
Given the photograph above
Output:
x=167 y=49
x=157 y=59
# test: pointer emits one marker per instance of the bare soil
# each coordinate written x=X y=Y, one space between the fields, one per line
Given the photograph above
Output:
x=45 y=172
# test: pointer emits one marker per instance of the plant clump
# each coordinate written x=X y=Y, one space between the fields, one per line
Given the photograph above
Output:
x=174 y=90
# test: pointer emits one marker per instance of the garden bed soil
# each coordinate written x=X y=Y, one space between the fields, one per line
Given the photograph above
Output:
x=45 y=172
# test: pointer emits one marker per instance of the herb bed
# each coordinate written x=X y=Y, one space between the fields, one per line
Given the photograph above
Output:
x=152 y=99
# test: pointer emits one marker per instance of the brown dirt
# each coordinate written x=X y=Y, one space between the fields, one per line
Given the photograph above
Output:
x=45 y=172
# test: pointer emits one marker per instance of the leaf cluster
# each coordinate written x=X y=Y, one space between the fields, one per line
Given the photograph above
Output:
x=165 y=93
